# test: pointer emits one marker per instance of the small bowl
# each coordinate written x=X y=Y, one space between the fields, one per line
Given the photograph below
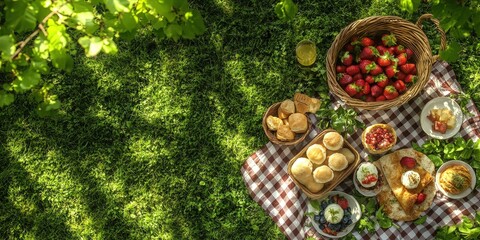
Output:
x=367 y=192
x=382 y=150
x=352 y=203
x=443 y=168
x=299 y=137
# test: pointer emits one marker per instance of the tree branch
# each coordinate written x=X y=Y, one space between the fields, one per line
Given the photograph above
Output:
x=35 y=33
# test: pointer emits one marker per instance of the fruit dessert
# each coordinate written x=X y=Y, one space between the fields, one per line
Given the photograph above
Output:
x=379 y=138
x=375 y=68
x=455 y=179
x=367 y=179
x=335 y=215
x=442 y=119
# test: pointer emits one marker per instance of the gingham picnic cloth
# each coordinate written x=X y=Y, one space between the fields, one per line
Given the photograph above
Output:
x=268 y=183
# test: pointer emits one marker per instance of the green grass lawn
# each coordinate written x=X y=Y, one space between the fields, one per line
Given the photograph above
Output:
x=149 y=142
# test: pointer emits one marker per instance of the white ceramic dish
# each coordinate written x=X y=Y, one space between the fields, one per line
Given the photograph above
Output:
x=352 y=203
x=446 y=165
x=365 y=192
x=436 y=103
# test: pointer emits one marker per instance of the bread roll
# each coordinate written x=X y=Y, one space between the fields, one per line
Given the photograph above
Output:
x=302 y=169
x=333 y=141
x=323 y=174
x=302 y=102
x=316 y=153
x=313 y=186
x=285 y=134
x=298 y=122
x=348 y=154
x=337 y=162
x=273 y=123
x=285 y=122
x=314 y=105
x=286 y=108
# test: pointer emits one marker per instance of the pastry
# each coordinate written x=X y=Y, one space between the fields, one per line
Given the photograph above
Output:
x=348 y=154
x=286 y=108
x=337 y=162
x=285 y=134
x=302 y=102
x=314 y=105
x=298 y=122
x=316 y=153
x=273 y=123
x=333 y=141
x=323 y=174
x=312 y=185
x=455 y=179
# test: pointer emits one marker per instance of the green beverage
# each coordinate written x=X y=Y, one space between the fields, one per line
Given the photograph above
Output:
x=306 y=52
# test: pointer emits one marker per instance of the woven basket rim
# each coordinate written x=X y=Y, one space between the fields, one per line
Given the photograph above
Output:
x=424 y=58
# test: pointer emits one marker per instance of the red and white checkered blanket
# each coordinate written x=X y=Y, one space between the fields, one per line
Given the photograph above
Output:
x=265 y=171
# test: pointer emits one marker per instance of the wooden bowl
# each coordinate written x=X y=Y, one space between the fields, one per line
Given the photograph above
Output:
x=299 y=137
x=383 y=150
x=338 y=176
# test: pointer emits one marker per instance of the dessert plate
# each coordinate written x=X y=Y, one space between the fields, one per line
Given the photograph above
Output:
x=437 y=103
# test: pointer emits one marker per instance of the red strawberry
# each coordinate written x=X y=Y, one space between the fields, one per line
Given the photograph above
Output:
x=389 y=40
x=376 y=90
x=357 y=76
x=349 y=47
x=369 y=79
x=401 y=59
x=366 y=88
x=409 y=52
x=352 y=89
x=381 y=80
x=345 y=79
x=363 y=65
x=390 y=71
x=390 y=92
x=370 y=98
x=384 y=60
x=381 y=49
x=408 y=68
x=380 y=98
x=369 y=53
x=360 y=83
x=399 y=49
x=366 y=41
x=410 y=78
x=400 y=75
x=400 y=86
x=391 y=50
x=347 y=59
x=352 y=70
x=340 y=68
x=374 y=69
x=369 y=178
x=343 y=202
x=439 y=127
x=420 y=198
x=359 y=95
x=408 y=162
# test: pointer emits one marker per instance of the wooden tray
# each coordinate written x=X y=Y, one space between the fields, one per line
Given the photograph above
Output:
x=338 y=176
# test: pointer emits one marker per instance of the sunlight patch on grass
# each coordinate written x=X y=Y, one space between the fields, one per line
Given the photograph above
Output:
x=226 y=5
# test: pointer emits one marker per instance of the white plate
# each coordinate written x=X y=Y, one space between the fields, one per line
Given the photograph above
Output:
x=436 y=103
x=364 y=192
x=450 y=163
x=352 y=203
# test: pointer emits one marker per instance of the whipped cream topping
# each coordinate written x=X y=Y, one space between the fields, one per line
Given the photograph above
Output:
x=410 y=179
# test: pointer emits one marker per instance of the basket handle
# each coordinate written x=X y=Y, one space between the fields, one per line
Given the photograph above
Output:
x=443 y=38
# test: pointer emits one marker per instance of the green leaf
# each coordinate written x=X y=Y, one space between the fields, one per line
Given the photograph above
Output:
x=409 y=5
x=163 y=8
x=61 y=60
x=315 y=204
x=20 y=16
x=7 y=46
x=40 y=65
x=6 y=98
x=109 y=46
x=28 y=79
x=286 y=9
x=40 y=47
x=451 y=54
x=129 y=21
x=95 y=46
x=421 y=220
x=85 y=21
x=115 y=6
x=174 y=31
x=437 y=161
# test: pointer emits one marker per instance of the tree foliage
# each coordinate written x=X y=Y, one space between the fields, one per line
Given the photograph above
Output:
x=38 y=34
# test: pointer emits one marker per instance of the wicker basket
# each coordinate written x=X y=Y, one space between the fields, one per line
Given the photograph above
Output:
x=273 y=110
x=408 y=34
x=338 y=176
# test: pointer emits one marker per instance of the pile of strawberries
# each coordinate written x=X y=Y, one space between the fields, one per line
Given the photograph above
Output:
x=373 y=69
